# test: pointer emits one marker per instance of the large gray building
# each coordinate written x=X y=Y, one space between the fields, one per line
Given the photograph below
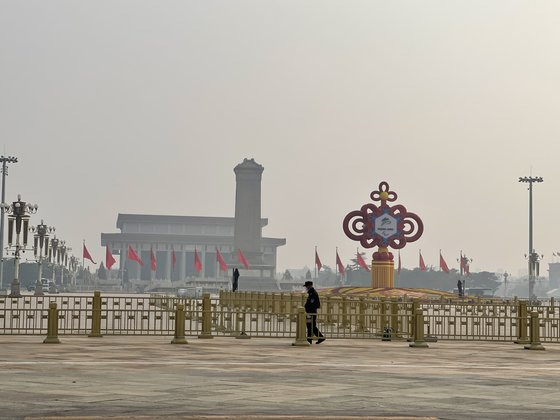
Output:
x=181 y=235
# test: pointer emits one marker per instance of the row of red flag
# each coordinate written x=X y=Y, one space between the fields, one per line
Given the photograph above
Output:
x=464 y=263
x=133 y=256
x=339 y=266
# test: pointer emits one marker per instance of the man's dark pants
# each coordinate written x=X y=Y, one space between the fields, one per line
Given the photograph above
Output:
x=312 y=329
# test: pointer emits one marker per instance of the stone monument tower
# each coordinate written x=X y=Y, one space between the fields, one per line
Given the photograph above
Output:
x=248 y=224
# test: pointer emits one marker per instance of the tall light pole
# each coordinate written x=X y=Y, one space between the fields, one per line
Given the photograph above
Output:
x=63 y=253
x=5 y=160
x=53 y=254
x=532 y=263
x=40 y=249
x=18 y=218
x=73 y=267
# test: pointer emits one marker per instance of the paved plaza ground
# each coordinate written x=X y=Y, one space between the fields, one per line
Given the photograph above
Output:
x=146 y=377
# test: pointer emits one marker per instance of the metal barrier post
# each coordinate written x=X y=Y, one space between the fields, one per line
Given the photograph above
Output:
x=52 y=325
x=179 y=337
x=534 y=331
x=301 y=329
x=412 y=319
x=522 y=323
x=96 y=315
x=329 y=320
x=344 y=312
x=206 y=317
x=240 y=325
x=361 y=316
x=419 y=330
x=394 y=319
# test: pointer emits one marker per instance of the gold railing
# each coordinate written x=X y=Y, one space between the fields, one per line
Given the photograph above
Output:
x=252 y=314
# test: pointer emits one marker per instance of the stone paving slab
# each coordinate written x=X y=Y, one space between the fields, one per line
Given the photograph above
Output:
x=146 y=377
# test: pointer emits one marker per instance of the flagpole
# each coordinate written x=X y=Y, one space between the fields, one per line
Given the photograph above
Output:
x=315 y=264
x=122 y=262
x=83 y=259
x=336 y=266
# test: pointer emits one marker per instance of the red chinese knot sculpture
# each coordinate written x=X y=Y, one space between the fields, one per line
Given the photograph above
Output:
x=383 y=225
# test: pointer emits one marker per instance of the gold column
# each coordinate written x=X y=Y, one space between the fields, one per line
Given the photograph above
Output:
x=382 y=270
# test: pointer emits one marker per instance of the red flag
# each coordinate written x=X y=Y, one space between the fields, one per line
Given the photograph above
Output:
x=197 y=262
x=220 y=259
x=241 y=258
x=399 y=266
x=422 y=265
x=153 y=259
x=318 y=261
x=132 y=255
x=173 y=260
x=443 y=264
x=109 y=260
x=87 y=255
x=339 y=264
x=361 y=262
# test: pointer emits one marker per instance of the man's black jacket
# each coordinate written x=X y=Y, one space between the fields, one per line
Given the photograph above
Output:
x=313 y=303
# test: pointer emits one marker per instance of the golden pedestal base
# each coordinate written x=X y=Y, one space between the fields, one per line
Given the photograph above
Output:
x=383 y=274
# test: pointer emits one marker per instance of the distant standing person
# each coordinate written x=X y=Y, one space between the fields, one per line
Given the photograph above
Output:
x=235 y=282
x=460 y=287
x=312 y=304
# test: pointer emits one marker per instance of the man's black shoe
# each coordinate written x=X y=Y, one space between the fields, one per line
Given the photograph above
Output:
x=309 y=340
x=320 y=340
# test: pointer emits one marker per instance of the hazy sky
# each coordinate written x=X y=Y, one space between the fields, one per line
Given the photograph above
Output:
x=146 y=107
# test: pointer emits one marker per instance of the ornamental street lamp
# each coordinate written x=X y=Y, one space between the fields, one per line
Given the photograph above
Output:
x=5 y=160
x=18 y=217
x=62 y=260
x=40 y=249
x=53 y=253
x=532 y=262
x=73 y=268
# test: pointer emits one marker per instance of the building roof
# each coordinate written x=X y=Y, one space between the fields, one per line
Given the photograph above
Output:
x=106 y=238
x=180 y=220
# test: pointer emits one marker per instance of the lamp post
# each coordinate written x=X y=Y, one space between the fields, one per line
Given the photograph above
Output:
x=40 y=249
x=5 y=160
x=18 y=217
x=506 y=275
x=63 y=262
x=532 y=262
x=73 y=268
x=53 y=254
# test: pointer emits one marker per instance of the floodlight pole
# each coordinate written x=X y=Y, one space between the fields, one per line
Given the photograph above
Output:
x=532 y=254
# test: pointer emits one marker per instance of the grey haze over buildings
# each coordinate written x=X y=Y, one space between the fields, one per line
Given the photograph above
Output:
x=146 y=107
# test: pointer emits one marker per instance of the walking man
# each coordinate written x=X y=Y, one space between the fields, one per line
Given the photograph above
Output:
x=311 y=305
